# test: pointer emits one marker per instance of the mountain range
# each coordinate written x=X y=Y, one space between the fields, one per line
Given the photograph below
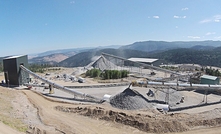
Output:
x=84 y=58
x=198 y=52
x=149 y=46
x=205 y=57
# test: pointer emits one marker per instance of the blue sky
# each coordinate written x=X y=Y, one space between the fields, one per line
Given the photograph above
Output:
x=33 y=26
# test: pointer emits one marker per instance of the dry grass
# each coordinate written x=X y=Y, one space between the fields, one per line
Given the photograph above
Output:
x=6 y=110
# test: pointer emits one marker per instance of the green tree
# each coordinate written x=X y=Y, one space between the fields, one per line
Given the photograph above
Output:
x=114 y=74
x=212 y=72
x=93 y=73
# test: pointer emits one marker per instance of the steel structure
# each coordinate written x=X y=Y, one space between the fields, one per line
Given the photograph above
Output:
x=112 y=62
x=65 y=89
x=199 y=86
x=141 y=64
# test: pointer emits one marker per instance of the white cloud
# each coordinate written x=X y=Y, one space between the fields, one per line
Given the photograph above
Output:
x=186 y=8
x=156 y=17
x=176 y=17
x=193 y=37
x=72 y=2
x=179 y=17
x=210 y=33
x=215 y=18
x=205 y=21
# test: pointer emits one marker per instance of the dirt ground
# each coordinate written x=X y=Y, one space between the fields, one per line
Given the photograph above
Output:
x=49 y=120
x=36 y=112
x=7 y=130
x=42 y=115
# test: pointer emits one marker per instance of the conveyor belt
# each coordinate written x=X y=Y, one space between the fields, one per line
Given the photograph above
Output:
x=62 y=88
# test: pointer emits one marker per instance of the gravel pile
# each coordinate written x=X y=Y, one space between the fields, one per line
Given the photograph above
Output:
x=160 y=95
x=130 y=99
x=104 y=64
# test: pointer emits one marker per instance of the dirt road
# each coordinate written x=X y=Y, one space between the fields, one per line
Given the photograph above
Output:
x=215 y=130
x=57 y=122
x=72 y=123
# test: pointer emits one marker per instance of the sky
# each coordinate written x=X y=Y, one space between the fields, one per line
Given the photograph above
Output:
x=34 y=26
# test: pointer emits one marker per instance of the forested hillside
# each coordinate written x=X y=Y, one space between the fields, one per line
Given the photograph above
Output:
x=149 y=46
x=195 y=52
x=203 y=57
x=84 y=58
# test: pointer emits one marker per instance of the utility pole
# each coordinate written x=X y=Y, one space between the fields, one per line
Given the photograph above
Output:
x=167 y=98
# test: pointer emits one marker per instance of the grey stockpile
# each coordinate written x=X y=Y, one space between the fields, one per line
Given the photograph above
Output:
x=130 y=99
x=160 y=95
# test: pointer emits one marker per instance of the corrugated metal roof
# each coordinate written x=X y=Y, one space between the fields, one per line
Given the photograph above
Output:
x=16 y=56
x=145 y=60
x=209 y=77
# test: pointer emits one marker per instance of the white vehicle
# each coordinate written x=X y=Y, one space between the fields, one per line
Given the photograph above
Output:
x=73 y=78
x=81 y=80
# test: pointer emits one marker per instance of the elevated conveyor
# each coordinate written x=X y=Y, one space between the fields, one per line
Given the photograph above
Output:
x=142 y=64
x=62 y=88
x=186 y=85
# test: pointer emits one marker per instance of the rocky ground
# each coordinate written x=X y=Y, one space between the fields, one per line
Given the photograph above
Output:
x=31 y=112
x=36 y=112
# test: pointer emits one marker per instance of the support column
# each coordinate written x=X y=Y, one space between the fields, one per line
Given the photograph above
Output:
x=51 y=89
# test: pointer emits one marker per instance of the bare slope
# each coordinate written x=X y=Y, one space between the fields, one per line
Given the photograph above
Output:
x=54 y=58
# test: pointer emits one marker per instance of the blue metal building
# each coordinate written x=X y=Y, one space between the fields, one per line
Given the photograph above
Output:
x=210 y=80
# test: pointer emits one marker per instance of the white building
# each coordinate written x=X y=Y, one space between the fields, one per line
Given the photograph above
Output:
x=149 y=61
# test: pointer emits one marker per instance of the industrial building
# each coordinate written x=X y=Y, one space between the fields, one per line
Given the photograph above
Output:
x=149 y=61
x=12 y=71
x=211 y=80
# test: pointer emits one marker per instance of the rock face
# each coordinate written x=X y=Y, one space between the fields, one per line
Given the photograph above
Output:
x=130 y=100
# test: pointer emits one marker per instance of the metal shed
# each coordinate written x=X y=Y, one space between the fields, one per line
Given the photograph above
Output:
x=149 y=61
x=13 y=74
x=211 y=80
